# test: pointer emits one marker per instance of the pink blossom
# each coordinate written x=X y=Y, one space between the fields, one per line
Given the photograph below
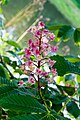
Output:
x=54 y=71
x=37 y=42
x=29 y=63
x=27 y=53
x=45 y=32
x=31 y=80
x=21 y=83
x=36 y=51
x=33 y=29
x=38 y=71
x=41 y=25
x=30 y=42
x=51 y=62
x=51 y=36
x=44 y=73
x=44 y=46
x=33 y=46
x=54 y=49
x=45 y=53
x=40 y=49
x=38 y=33
x=44 y=40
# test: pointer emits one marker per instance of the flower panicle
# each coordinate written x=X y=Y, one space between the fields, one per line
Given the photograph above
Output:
x=40 y=49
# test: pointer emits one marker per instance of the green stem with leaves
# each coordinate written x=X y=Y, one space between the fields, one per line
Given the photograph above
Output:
x=66 y=103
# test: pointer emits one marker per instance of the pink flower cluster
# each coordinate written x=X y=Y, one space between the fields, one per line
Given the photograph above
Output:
x=39 y=49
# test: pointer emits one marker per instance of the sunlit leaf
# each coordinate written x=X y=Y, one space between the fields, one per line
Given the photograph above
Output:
x=77 y=36
x=13 y=43
x=63 y=66
x=72 y=59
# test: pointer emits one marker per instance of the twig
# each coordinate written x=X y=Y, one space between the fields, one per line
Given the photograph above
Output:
x=26 y=31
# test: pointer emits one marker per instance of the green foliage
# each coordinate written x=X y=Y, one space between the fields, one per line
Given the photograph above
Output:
x=77 y=36
x=69 y=90
x=27 y=117
x=3 y=72
x=73 y=59
x=66 y=32
x=7 y=90
x=63 y=66
x=73 y=109
x=22 y=103
x=67 y=9
x=5 y=1
x=16 y=56
x=8 y=82
x=28 y=102
x=13 y=43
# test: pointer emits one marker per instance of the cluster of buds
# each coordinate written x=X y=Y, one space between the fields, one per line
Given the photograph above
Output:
x=38 y=64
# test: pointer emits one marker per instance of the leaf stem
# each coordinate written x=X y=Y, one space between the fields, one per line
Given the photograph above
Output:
x=66 y=103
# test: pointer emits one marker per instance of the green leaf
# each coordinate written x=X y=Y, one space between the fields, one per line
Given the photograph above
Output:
x=58 y=99
x=18 y=71
x=77 y=64
x=7 y=90
x=65 y=32
x=6 y=59
x=77 y=36
x=13 y=64
x=78 y=78
x=24 y=91
x=63 y=66
x=15 y=55
x=6 y=2
x=56 y=107
x=69 y=77
x=1 y=24
x=78 y=91
x=27 y=117
x=73 y=109
x=54 y=113
x=72 y=59
x=4 y=81
x=69 y=90
x=48 y=117
x=3 y=72
x=13 y=43
x=22 y=103
x=55 y=27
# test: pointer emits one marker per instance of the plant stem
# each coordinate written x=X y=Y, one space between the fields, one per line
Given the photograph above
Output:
x=39 y=86
x=66 y=103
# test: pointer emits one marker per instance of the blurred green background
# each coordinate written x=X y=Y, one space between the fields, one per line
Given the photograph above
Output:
x=21 y=14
